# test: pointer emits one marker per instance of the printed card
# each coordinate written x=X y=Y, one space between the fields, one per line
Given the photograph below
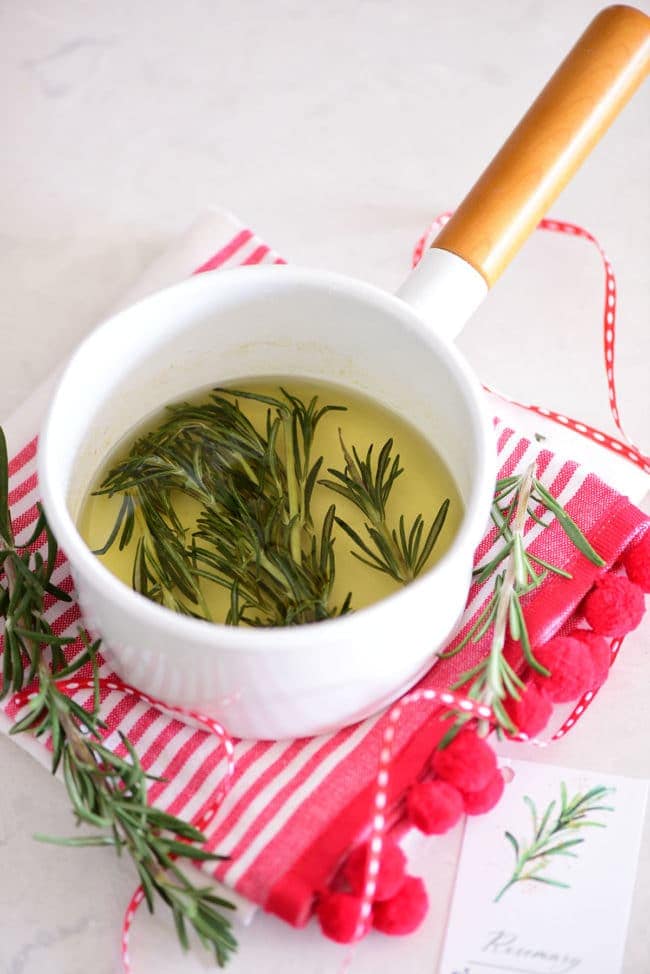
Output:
x=545 y=881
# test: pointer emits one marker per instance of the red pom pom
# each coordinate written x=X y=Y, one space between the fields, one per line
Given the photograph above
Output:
x=405 y=911
x=468 y=762
x=637 y=563
x=338 y=915
x=479 y=802
x=530 y=714
x=615 y=606
x=600 y=652
x=569 y=662
x=391 y=870
x=434 y=806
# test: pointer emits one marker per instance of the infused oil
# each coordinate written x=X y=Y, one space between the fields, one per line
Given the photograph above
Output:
x=274 y=501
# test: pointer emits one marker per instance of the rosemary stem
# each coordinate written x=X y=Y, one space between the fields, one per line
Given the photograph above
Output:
x=507 y=589
x=504 y=889
x=73 y=736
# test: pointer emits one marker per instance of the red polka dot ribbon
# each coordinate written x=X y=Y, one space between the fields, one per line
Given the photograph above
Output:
x=625 y=448
x=380 y=799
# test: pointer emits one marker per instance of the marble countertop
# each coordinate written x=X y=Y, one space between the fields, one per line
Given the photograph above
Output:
x=337 y=130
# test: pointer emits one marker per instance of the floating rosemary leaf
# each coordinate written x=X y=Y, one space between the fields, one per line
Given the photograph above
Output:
x=400 y=552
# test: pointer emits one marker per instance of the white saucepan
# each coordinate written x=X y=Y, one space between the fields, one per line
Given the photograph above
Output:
x=274 y=683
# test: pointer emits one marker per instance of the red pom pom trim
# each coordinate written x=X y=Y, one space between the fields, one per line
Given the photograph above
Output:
x=468 y=762
x=338 y=915
x=434 y=807
x=615 y=606
x=479 y=802
x=570 y=666
x=392 y=869
x=405 y=911
x=600 y=652
x=637 y=563
x=531 y=713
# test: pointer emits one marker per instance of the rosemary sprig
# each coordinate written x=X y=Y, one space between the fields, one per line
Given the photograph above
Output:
x=107 y=792
x=554 y=836
x=516 y=572
x=254 y=534
x=400 y=552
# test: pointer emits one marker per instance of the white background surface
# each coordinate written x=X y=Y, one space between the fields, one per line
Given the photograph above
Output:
x=337 y=129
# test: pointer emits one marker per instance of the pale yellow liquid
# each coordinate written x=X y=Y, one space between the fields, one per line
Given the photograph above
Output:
x=421 y=488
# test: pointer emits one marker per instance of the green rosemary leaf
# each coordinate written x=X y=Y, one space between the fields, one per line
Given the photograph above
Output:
x=310 y=483
x=569 y=526
x=191 y=852
x=41 y=525
x=126 y=505
x=354 y=535
x=254 y=396
x=522 y=636
x=377 y=565
x=515 y=845
x=432 y=537
x=78 y=841
x=561 y=847
x=181 y=930
x=6 y=535
x=42 y=636
x=547 y=881
x=536 y=519
x=35 y=712
x=485 y=621
x=512 y=683
x=474 y=671
x=483 y=572
x=549 y=568
x=542 y=825
x=533 y=811
x=563 y=799
x=505 y=721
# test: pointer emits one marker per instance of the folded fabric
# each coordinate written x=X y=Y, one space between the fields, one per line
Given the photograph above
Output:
x=296 y=808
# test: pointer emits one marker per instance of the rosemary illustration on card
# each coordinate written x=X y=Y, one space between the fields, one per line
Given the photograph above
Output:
x=554 y=835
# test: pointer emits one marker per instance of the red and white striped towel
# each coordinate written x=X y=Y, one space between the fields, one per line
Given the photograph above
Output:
x=294 y=808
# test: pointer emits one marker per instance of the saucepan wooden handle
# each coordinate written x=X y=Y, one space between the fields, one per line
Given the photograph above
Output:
x=590 y=87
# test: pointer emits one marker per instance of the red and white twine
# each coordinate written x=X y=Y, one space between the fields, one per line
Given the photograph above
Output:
x=380 y=800
x=627 y=449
